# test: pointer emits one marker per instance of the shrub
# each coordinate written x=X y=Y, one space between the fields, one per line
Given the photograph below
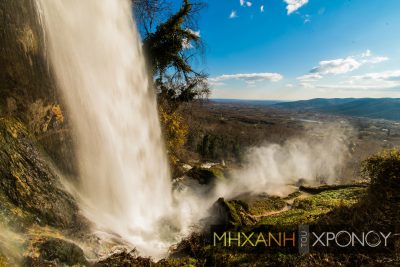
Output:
x=383 y=169
x=175 y=131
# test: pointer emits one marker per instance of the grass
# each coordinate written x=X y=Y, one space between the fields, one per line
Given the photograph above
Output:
x=267 y=204
x=310 y=209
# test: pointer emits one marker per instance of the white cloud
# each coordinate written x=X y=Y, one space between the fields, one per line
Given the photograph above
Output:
x=367 y=53
x=337 y=66
x=233 y=14
x=310 y=77
x=348 y=64
x=359 y=86
x=262 y=8
x=196 y=33
x=368 y=57
x=249 y=78
x=374 y=60
x=385 y=80
x=369 y=81
x=307 y=18
x=245 y=3
x=307 y=85
x=186 y=44
x=293 y=5
x=393 y=75
x=213 y=83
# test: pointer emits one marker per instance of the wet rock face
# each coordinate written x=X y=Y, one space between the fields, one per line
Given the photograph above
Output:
x=230 y=213
x=27 y=86
x=55 y=249
x=24 y=75
x=124 y=259
x=28 y=182
x=206 y=176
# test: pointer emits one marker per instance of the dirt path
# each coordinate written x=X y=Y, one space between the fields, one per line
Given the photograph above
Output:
x=270 y=213
x=289 y=203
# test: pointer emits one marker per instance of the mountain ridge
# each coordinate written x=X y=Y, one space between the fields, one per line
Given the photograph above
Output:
x=374 y=108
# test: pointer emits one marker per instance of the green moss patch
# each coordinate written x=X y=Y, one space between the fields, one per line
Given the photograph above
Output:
x=308 y=210
x=266 y=204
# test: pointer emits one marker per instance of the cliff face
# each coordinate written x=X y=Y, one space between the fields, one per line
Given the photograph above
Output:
x=32 y=199
x=24 y=75
x=29 y=183
x=36 y=213
x=27 y=88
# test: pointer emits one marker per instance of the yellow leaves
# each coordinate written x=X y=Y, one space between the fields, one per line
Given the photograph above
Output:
x=13 y=127
x=56 y=109
x=175 y=129
x=17 y=212
x=175 y=132
x=27 y=40
x=2 y=261
x=42 y=116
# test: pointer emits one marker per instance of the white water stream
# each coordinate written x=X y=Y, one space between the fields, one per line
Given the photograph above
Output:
x=95 y=52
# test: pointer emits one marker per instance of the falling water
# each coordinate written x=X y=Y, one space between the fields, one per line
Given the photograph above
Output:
x=95 y=53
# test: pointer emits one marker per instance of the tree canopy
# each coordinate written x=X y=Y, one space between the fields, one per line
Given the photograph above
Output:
x=172 y=45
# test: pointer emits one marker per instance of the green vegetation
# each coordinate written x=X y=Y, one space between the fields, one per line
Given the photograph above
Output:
x=169 y=45
x=379 y=207
x=31 y=198
x=383 y=170
x=308 y=210
x=232 y=212
x=263 y=205
x=356 y=205
x=175 y=131
x=172 y=44
x=207 y=175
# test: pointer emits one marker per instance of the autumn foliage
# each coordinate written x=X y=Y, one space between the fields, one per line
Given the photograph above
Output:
x=175 y=131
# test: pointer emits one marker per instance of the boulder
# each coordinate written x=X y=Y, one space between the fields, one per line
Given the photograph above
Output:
x=230 y=213
x=206 y=175
x=62 y=251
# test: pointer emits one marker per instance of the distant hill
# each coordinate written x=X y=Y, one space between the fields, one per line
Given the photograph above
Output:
x=374 y=108
x=246 y=102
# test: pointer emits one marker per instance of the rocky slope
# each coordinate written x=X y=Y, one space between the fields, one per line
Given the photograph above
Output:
x=36 y=212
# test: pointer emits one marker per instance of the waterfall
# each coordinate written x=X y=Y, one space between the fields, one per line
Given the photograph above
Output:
x=95 y=53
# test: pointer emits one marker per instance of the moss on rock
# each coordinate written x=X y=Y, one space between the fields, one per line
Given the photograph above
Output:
x=206 y=175
x=308 y=210
x=233 y=212
x=27 y=182
x=62 y=251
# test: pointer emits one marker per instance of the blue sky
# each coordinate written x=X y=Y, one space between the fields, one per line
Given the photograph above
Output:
x=300 y=49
